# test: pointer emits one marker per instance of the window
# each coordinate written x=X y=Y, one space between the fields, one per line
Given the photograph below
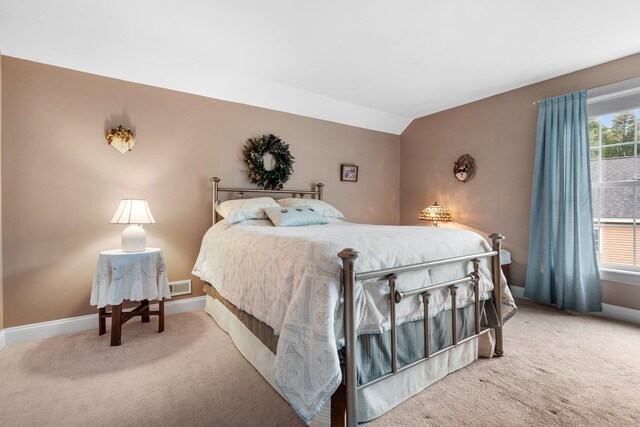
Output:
x=613 y=140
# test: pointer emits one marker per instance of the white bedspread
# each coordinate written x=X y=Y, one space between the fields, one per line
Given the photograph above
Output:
x=289 y=278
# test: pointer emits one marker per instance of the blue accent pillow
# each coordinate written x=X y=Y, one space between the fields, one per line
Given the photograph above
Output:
x=294 y=216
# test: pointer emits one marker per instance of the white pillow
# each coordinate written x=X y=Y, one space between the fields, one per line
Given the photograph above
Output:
x=239 y=210
x=323 y=208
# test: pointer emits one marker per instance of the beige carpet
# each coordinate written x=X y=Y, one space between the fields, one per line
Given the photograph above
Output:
x=559 y=369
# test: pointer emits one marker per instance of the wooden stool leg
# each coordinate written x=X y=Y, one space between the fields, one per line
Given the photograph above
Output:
x=145 y=304
x=339 y=407
x=161 y=315
x=116 y=324
x=102 y=321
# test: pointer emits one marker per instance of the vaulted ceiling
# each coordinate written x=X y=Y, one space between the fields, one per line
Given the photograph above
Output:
x=376 y=64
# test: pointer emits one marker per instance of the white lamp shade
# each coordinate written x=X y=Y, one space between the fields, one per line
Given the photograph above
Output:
x=133 y=211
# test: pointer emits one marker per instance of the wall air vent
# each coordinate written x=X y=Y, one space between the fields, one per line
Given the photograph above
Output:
x=181 y=287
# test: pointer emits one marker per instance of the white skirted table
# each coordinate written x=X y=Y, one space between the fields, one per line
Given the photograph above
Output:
x=505 y=262
x=137 y=276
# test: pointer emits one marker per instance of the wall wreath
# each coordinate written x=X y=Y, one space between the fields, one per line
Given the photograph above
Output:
x=464 y=168
x=254 y=151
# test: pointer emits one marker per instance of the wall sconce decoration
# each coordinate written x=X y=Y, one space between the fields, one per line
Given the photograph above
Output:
x=464 y=168
x=435 y=213
x=121 y=139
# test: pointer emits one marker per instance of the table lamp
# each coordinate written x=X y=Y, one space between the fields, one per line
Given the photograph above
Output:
x=135 y=213
x=435 y=213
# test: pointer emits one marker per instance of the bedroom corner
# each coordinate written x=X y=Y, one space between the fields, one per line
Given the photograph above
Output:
x=54 y=124
x=500 y=132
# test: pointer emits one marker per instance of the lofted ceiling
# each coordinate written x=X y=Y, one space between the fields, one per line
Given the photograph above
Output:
x=376 y=64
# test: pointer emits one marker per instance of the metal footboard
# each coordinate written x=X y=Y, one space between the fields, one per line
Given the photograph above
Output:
x=349 y=277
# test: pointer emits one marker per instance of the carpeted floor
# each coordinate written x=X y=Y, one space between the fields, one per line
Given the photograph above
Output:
x=559 y=369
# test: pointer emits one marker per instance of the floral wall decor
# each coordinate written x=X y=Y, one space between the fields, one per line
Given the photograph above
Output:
x=121 y=139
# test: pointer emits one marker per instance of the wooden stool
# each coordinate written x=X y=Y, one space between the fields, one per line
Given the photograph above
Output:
x=122 y=275
x=119 y=318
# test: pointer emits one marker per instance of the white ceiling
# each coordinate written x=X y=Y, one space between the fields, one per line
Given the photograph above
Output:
x=376 y=64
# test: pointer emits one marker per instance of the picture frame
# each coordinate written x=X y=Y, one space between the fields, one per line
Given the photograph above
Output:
x=349 y=173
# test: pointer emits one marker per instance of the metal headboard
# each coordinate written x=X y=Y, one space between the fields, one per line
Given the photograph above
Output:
x=318 y=193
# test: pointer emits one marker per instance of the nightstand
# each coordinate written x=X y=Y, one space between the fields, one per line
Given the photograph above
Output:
x=505 y=262
x=135 y=276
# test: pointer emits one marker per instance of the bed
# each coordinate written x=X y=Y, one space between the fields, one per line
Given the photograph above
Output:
x=347 y=321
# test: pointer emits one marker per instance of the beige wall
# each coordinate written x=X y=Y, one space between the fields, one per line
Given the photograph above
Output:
x=499 y=132
x=1 y=287
x=62 y=182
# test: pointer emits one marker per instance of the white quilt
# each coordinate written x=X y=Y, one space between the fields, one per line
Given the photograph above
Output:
x=289 y=278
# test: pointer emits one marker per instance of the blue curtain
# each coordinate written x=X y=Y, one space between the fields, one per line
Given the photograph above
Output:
x=563 y=268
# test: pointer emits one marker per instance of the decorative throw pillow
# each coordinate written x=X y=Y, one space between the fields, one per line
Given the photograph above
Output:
x=294 y=216
x=239 y=210
x=323 y=208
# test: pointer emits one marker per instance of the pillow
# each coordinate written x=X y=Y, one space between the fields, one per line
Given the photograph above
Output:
x=323 y=208
x=239 y=210
x=295 y=216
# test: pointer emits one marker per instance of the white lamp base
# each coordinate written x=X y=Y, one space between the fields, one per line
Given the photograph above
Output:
x=134 y=239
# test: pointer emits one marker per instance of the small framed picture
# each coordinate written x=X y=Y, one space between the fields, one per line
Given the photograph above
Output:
x=349 y=173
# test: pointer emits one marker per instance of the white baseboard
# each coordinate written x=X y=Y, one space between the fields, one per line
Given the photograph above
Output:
x=609 y=311
x=619 y=313
x=517 y=292
x=54 y=328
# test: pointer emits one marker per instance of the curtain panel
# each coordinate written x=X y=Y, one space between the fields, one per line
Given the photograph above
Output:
x=562 y=268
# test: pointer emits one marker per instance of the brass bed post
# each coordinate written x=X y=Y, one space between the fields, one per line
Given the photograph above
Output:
x=496 y=240
x=215 y=180
x=351 y=383
x=476 y=293
x=425 y=301
x=320 y=188
x=394 y=329
x=453 y=291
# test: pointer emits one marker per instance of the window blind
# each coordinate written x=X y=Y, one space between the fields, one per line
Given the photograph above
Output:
x=620 y=96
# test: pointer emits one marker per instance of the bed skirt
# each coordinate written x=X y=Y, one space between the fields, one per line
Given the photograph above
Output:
x=374 y=400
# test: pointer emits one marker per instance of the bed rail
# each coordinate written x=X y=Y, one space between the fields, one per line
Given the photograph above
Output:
x=350 y=276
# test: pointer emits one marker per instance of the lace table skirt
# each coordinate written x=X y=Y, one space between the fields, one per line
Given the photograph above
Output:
x=132 y=276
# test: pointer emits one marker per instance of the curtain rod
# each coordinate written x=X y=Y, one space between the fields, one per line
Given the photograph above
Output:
x=540 y=100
